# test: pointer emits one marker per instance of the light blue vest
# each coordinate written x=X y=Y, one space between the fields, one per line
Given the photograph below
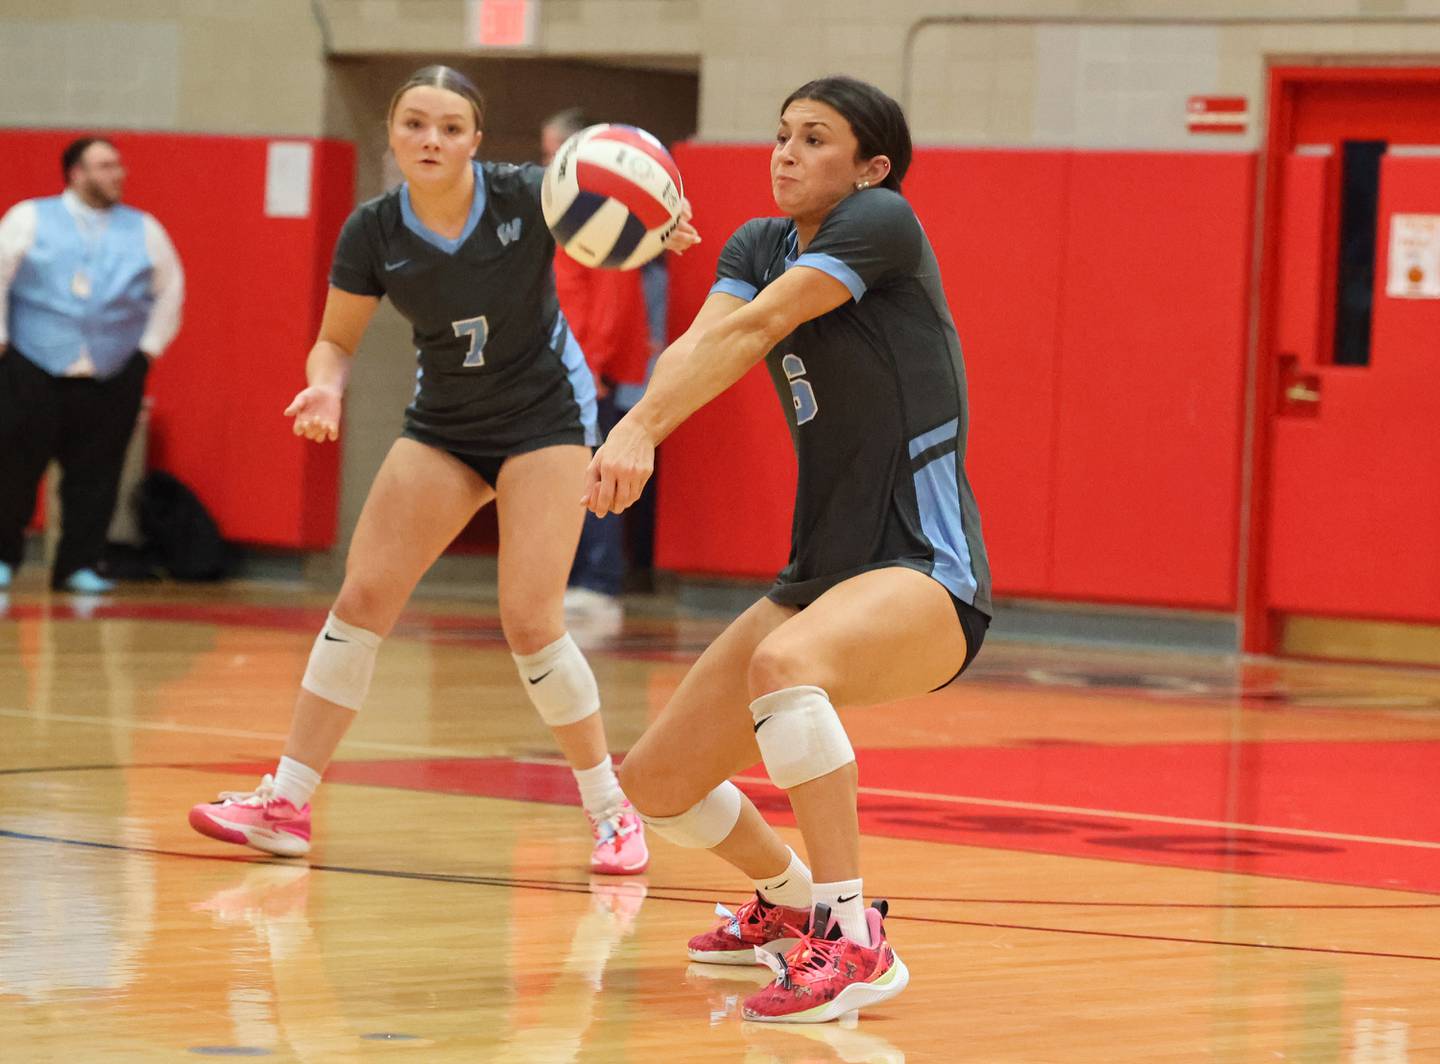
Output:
x=52 y=325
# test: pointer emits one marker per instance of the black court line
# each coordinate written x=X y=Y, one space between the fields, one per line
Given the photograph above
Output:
x=1170 y=938
x=1082 y=904
x=87 y=768
x=563 y=887
x=573 y=886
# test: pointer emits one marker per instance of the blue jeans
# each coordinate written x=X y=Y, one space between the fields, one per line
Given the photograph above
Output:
x=600 y=558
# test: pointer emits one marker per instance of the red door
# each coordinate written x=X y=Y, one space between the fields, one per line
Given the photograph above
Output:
x=1348 y=433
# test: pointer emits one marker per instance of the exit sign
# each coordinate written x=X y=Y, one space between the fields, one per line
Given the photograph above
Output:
x=503 y=23
x=1217 y=114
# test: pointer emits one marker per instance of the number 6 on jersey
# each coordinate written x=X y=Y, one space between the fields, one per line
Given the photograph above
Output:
x=478 y=329
x=800 y=391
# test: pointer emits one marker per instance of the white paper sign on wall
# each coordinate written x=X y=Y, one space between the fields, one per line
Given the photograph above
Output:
x=1414 y=257
x=288 y=164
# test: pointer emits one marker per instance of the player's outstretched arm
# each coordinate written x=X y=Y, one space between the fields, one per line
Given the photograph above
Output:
x=316 y=409
x=727 y=337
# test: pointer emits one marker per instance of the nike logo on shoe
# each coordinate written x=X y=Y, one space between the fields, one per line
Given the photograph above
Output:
x=537 y=679
x=761 y=721
x=335 y=638
x=842 y=901
x=396 y=265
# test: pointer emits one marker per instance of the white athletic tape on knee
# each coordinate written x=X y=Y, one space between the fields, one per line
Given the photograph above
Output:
x=341 y=663
x=705 y=824
x=799 y=735
x=559 y=682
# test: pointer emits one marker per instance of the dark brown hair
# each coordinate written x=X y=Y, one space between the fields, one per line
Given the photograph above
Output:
x=70 y=157
x=569 y=121
x=877 y=121
x=442 y=77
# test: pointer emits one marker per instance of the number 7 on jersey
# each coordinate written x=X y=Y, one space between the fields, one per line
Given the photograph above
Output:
x=478 y=329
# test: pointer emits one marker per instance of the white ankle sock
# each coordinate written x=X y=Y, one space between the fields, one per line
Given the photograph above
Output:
x=847 y=904
x=790 y=887
x=600 y=791
x=295 y=782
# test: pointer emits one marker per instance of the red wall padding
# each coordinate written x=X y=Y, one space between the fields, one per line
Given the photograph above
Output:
x=997 y=223
x=1152 y=378
x=255 y=287
x=1101 y=300
x=727 y=476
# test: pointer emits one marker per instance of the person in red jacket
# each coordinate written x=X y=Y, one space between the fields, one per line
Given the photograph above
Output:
x=607 y=314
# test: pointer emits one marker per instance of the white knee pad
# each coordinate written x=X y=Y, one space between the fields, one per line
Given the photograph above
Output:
x=559 y=682
x=705 y=824
x=799 y=735
x=341 y=663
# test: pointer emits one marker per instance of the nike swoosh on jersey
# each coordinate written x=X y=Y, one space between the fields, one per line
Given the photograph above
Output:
x=537 y=679
x=761 y=721
x=335 y=638
x=396 y=265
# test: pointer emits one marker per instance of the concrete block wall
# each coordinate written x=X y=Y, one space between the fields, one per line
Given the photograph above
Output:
x=203 y=66
x=1087 y=73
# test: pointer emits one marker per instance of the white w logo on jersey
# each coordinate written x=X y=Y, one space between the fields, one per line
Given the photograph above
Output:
x=508 y=231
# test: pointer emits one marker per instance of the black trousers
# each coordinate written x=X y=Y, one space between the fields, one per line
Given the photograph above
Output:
x=85 y=425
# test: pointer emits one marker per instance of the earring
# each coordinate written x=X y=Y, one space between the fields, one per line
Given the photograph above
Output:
x=861 y=186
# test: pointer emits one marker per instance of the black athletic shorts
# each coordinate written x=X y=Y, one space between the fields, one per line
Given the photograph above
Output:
x=975 y=624
x=488 y=465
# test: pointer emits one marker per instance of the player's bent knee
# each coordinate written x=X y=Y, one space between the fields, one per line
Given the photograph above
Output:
x=367 y=604
x=800 y=735
x=534 y=634
x=636 y=782
x=703 y=826
x=774 y=667
x=653 y=784
x=342 y=663
x=559 y=682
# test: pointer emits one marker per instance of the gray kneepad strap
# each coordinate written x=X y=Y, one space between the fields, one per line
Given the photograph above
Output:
x=799 y=735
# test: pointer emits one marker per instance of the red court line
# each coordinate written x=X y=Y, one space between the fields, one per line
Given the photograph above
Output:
x=1113 y=837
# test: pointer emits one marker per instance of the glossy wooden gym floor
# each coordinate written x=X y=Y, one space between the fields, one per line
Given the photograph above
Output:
x=1090 y=856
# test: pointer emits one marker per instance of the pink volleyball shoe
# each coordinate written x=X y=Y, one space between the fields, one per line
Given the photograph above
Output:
x=757 y=924
x=257 y=819
x=825 y=975
x=620 y=848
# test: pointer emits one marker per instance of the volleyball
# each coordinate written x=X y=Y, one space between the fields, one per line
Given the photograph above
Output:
x=611 y=196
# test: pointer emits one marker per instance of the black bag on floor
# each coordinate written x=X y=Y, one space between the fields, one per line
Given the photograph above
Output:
x=180 y=535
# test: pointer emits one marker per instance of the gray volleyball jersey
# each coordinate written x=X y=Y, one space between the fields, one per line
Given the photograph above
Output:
x=874 y=392
x=498 y=369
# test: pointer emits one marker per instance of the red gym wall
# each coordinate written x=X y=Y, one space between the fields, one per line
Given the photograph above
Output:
x=255 y=286
x=1102 y=304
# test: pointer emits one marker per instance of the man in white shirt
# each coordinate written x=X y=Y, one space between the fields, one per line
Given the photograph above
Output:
x=90 y=295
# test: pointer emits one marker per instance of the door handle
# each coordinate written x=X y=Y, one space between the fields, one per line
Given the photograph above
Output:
x=1299 y=390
